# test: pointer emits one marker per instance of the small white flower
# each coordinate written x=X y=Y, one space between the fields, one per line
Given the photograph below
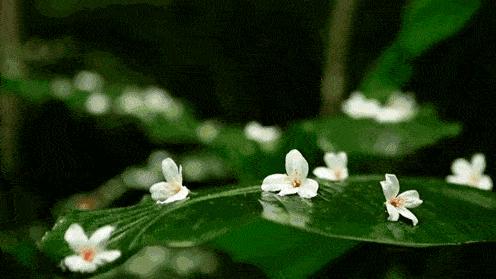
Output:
x=90 y=253
x=88 y=81
x=397 y=205
x=157 y=100
x=400 y=107
x=261 y=134
x=295 y=181
x=336 y=169
x=130 y=101
x=208 y=131
x=97 y=103
x=172 y=190
x=471 y=174
x=61 y=87
x=358 y=106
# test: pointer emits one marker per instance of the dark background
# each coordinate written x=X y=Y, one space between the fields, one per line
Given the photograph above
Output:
x=237 y=60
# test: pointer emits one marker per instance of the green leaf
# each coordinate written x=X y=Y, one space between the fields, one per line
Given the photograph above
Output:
x=54 y=8
x=367 y=137
x=425 y=23
x=281 y=251
x=435 y=20
x=352 y=210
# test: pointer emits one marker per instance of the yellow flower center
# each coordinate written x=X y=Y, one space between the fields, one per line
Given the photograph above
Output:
x=396 y=202
x=88 y=254
x=473 y=179
x=296 y=182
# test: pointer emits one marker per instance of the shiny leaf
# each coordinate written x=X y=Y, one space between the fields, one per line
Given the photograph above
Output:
x=352 y=210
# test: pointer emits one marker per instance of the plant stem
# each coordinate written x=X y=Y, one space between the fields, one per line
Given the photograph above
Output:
x=11 y=66
x=334 y=76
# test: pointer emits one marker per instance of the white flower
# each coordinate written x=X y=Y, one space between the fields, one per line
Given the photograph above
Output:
x=336 y=169
x=97 y=103
x=358 y=106
x=208 y=131
x=295 y=181
x=90 y=253
x=88 y=81
x=172 y=190
x=400 y=107
x=61 y=87
x=471 y=174
x=261 y=134
x=130 y=101
x=397 y=205
x=157 y=100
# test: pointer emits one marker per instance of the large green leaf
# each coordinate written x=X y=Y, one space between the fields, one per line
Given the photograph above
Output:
x=352 y=210
x=367 y=137
x=267 y=245
x=424 y=23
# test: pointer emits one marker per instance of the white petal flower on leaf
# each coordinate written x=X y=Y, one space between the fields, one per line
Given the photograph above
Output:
x=261 y=134
x=172 y=190
x=336 y=169
x=90 y=252
x=295 y=180
x=470 y=173
x=399 y=108
x=358 y=106
x=397 y=205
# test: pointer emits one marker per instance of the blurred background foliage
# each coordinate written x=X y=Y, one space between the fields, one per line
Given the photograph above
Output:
x=224 y=63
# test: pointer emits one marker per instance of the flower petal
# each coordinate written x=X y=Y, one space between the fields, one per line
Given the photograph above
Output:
x=407 y=214
x=308 y=189
x=171 y=171
x=275 y=182
x=456 y=179
x=358 y=106
x=77 y=264
x=336 y=161
x=392 y=211
x=75 y=237
x=392 y=115
x=181 y=195
x=478 y=163
x=288 y=190
x=411 y=198
x=324 y=173
x=390 y=186
x=161 y=191
x=485 y=183
x=461 y=167
x=106 y=256
x=343 y=174
x=101 y=235
x=296 y=164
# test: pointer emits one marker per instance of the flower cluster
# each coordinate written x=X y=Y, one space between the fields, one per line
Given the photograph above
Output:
x=142 y=103
x=400 y=107
x=148 y=102
x=91 y=252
